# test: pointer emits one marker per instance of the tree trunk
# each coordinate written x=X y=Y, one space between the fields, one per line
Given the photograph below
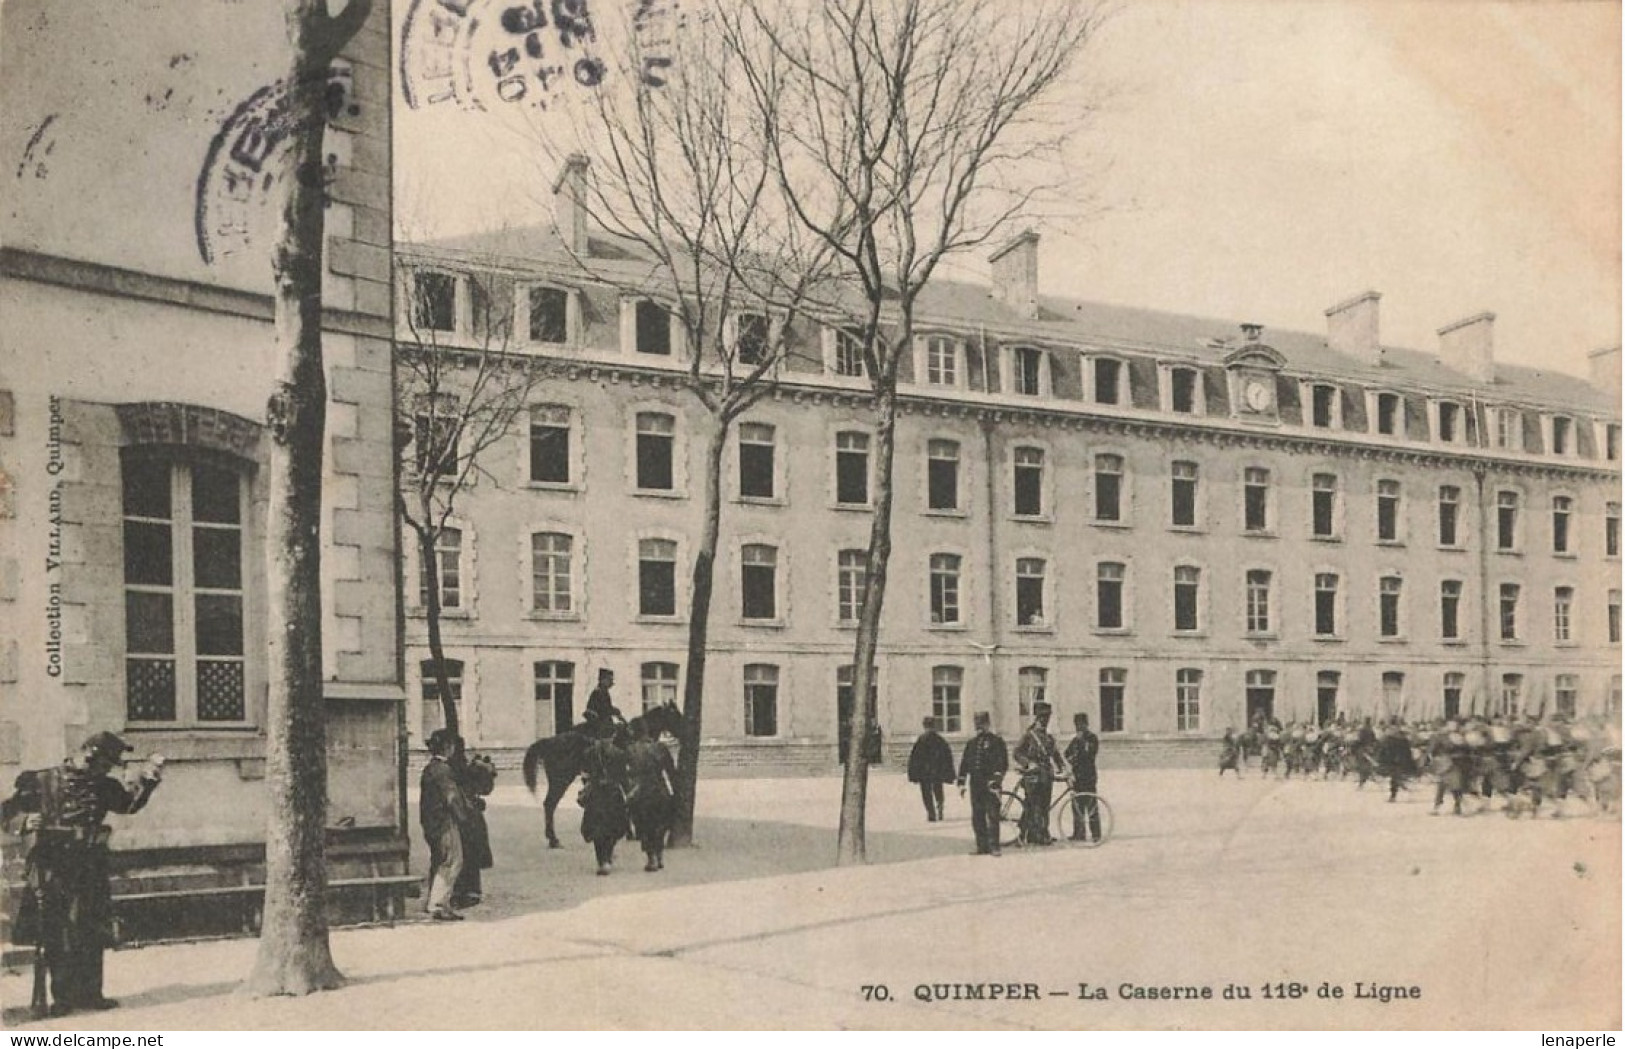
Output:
x=430 y=559
x=850 y=843
x=699 y=617
x=294 y=957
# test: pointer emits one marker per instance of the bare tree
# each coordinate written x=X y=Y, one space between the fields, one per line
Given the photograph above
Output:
x=903 y=132
x=294 y=957
x=458 y=395
x=674 y=169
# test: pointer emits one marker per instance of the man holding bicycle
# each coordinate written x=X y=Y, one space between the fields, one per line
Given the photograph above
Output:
x=1039 y=760
x=1080 y=755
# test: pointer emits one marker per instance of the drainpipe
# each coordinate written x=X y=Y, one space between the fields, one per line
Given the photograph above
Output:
x=995 y=583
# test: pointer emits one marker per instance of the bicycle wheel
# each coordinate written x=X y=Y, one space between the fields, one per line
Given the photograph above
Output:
x=1010 y=805
x=1073 y=823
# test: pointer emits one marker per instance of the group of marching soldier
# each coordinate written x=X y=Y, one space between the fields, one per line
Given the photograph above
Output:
x=1523 y=761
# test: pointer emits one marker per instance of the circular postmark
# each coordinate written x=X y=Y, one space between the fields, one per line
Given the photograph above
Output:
x=245 y=163
x=491 y=54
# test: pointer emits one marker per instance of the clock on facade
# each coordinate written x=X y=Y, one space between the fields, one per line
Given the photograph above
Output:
x=1257 y=394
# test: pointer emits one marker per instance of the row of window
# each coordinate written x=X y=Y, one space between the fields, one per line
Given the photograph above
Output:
x=758 y=478
x=554 y=691
x=553 y=576
x=444 y=302
x=184 y=590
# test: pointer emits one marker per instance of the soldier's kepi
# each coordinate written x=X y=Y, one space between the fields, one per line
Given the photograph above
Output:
x=68 y=912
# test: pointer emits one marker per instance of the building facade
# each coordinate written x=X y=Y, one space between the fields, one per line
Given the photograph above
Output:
x=139 y=359
x=1172 y=524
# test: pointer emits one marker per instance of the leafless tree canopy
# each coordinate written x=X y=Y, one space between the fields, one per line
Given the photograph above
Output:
x=907 y=131
x=902 y=132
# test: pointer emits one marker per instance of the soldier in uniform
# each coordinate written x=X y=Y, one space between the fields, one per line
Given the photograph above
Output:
x=653 y=776
x=601 y=714
x=1394 y=759
x=60 y=812
x=1230 y=753
x=931 y=764
x=1039 y=760
x=1452 y=761
x=1080 y=757
x=982 y=767
x=605 y=819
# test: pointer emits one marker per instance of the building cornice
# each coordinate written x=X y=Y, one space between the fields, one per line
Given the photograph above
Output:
x=1217 y=431
x=101 y=279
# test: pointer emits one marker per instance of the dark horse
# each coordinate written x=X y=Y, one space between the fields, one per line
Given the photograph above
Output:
x=560 y=756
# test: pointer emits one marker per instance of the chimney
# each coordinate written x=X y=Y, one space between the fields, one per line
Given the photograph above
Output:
x=1468 y=346
x=1015 y=274
x=1604 y=369
x=1252 y=332
x=570 y=205
x=1351 y=328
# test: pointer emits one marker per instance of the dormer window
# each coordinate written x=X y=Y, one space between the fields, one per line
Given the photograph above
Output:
x=1027 y=371
x=848 y=358
x=1610 y=442
x=941 y=361
x=1390 y=414
x=549 y=314
x=1183 y=384
x=1323 y=406
x=434 y=301
x=652 y=328
x=1449 y=431
x=1508 y=429
x=1107 y=373
x=751 y=338
x=1562 y=435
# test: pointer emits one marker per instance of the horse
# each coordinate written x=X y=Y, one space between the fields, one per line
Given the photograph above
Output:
x=561 y=756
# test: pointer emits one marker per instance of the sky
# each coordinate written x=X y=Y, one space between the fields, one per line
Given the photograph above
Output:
x=1263 y=161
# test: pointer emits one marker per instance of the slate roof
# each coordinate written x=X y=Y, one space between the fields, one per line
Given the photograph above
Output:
x=964 y=305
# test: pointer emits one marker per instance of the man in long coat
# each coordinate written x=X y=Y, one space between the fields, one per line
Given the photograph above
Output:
x=443 y=811
x=653 y=778
x=604 y=817
x=931 y=764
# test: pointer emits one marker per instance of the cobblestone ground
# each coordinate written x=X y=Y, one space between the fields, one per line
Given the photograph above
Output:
x=1266 y=885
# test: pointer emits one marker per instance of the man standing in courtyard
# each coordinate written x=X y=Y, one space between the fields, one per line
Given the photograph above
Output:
x=59 y=811
x=982 y=767
x=1080 y=756
x=443 y=811
x=931 y=764
x=1039 y=759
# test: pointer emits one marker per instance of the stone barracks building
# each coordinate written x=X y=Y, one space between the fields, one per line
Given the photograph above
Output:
x=1171 y=523
x=135 y=280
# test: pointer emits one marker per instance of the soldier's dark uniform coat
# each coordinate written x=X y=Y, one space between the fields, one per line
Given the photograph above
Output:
x=981 y=766
x=70 y=902
x=652 y=807
x=1037 y=755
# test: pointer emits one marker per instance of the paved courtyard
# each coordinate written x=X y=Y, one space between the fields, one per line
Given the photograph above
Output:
x=1276 y=887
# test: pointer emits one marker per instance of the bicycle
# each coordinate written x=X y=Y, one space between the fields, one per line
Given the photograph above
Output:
x=1072 y=808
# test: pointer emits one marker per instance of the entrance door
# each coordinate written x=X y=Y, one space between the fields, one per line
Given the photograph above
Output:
x=1326 y=683
x=1260 y=696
